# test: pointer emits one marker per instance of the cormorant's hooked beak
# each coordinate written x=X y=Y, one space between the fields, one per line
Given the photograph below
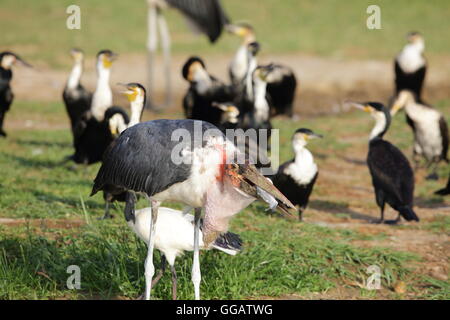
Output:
x=129 y=93
x=248 y=179
x=360 y=106
x=395 y=108
x=22 y=62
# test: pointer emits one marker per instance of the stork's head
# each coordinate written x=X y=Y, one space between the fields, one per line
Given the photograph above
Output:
x=302 y=136
x=8 y=59
x=403 y=98
x=77 y=55
x=246 y=178
x=243 y=30
x=230 y=112
x=105 y=58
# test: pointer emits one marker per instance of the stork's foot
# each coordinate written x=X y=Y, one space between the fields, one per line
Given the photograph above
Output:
x=379 y=221
x=3 y=134
x=432 y=176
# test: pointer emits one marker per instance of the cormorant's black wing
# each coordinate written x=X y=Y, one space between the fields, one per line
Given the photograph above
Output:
x=391 y=171
x=208 y=15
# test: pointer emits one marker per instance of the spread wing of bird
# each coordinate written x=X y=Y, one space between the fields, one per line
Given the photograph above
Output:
x=207 y=15
x=391 y=170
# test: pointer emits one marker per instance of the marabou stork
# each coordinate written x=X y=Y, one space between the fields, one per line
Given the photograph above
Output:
x=192 y=162
x=206 y=16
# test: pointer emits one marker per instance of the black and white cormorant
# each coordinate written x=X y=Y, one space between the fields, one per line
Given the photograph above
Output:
x=392 y=175
x=7 y=60
x=92 y=133
x=411 y=66
x=136 y=95
x=204 y=90
x=444 y=191
x=296 y=178
x=282 y=83
x=207 y=17
x=430 y=130
x=191 y=162
x=76 y=98
x=173 y=236
x=230 y=116
x=240 y=64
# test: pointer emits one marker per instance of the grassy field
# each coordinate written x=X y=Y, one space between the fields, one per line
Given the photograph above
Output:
x=37 y=29
x=50 y=222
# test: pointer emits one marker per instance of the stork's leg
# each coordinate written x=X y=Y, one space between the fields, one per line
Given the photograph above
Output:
x=152 y=44
x=165 y=44
x=149 y=267
x=433 y=166
x=196 y=276
x=2 y=117
x=174 y=282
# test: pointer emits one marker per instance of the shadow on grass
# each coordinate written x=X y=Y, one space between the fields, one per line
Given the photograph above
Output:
x=358 y=162
x=339 y=208
x=74 y=202
x=32 y=162
x=41 y=143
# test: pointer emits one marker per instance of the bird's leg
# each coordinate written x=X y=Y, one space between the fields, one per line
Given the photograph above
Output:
x=152 y=44
x=165 y=44
x=196 y=276
x=174 y=282
x=149 y=267
x=2 y=117
x=433 y=165
x=161 y=272
x=108 y=199
x=382 y=213
x=130 y=201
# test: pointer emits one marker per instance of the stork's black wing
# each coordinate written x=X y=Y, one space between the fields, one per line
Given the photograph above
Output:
x=208 y=15
x=391 y=172
x=140 y=159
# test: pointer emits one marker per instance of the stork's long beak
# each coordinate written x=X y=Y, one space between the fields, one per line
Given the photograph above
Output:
x=255 y=184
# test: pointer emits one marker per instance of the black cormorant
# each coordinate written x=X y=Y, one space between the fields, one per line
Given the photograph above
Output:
x=392 y=175
x=411 y=66
x=204 y=89
x=7 y=60
x=92 y=133
x=76 y=98
x=296 y=178
x=430 y=130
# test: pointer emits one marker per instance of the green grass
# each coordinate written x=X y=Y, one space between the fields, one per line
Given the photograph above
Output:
x=37 y=29
x=280 y=257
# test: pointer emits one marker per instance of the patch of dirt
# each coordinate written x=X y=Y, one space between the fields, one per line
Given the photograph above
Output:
x=43 y=223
